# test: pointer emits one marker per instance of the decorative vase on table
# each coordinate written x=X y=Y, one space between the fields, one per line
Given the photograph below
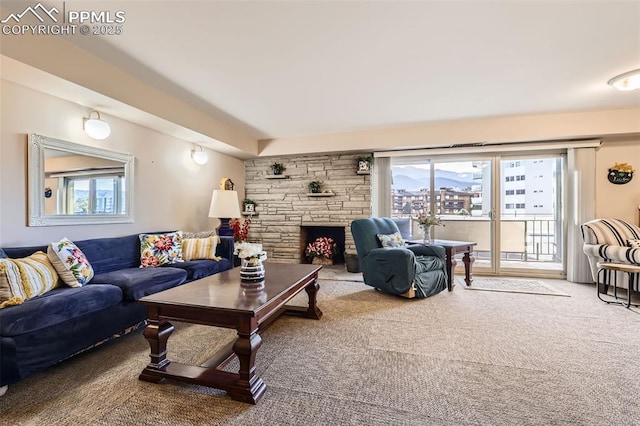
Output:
x=251 y=269
x=251 y=257
x=426 y=234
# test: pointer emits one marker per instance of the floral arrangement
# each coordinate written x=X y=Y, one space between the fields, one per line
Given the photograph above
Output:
x=250 y=251
x=428 y=220
x=322 y=247
x=240 y=228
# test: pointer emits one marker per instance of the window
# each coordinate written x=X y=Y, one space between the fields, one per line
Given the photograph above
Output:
x=519 y=205
x=509 y=179
x=519 y=191
x=508 y=206
x=509 y=192
x=94 y=195
x=520 y=177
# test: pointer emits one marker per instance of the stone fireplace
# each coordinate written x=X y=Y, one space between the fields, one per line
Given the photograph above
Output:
x=285 y=210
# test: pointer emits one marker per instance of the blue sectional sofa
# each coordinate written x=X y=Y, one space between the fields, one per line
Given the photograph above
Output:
x=65 y=321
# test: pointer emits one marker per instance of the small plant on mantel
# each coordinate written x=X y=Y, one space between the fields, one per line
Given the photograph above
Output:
x=314 y=186
x=277 y=168
x=366 y=159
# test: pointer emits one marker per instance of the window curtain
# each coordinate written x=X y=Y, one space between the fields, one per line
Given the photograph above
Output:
x=381 y=185
x=581 y=194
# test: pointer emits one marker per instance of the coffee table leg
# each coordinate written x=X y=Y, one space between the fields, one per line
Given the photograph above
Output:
x=157 y=333
x=313 y=311
x=468 y=260
x=249 y=387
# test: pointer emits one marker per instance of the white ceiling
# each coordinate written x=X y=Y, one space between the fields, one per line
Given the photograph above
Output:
x=282 y=69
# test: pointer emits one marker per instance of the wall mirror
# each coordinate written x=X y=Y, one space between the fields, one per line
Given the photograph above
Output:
x=73 y=184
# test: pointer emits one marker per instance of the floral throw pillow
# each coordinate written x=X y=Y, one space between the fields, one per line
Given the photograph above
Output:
x=160 y=249
x=391 y=240
x=633 y=243
x=70 y=263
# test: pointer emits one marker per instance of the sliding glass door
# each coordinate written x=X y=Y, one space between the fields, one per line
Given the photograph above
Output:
x=531 y=220
x=510 y=206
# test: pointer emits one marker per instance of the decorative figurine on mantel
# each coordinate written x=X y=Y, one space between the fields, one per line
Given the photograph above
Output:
x=364 y=164
x=226 y=184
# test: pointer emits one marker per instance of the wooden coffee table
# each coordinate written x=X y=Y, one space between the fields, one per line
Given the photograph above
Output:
x=221 y=300
x=452 y=248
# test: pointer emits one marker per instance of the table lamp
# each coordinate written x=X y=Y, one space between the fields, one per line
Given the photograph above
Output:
x=224 y=206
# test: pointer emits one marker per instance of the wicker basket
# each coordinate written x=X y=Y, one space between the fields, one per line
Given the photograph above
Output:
x=322 y=261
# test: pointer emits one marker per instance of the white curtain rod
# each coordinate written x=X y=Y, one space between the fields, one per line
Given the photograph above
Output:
x=504 y=147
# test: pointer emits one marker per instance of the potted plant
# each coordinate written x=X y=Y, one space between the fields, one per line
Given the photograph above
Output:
x=314 y=186
x=426 y=222
x=364 y=163
x=321 y=251
x=249 y=205
x=277 y=168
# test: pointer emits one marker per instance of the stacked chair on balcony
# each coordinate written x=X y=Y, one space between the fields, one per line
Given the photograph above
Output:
x=613 y=249
x=411 y=270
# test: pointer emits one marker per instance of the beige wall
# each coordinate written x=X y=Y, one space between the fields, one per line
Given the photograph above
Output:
x=171 y=191
x=620 y=201
x=523 y=128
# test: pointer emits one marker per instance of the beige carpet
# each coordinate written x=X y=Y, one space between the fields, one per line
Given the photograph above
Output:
x=459 y=358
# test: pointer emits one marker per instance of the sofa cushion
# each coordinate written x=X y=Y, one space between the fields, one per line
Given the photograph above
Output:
x=160 y=249
x=197 y=269
x=70 y=263
x=23 y=279
x=55 y=307
x=3 y=255
x=111 y=254
x=138 y=282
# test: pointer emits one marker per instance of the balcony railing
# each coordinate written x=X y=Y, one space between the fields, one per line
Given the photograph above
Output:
x=529 y=240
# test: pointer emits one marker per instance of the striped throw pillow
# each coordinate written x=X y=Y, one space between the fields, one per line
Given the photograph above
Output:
x=199 y=248
x=23 y=279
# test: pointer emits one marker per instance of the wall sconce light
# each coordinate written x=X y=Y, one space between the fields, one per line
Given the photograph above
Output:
x=627 y=81
x=199 y=156
x=95 y=127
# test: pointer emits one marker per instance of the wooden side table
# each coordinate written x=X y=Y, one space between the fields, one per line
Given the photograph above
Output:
x=606 y=270
x=451 y=249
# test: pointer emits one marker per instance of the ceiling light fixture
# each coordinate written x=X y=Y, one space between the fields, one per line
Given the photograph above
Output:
x=627 y=81
x=199 y=156
x=95 y=127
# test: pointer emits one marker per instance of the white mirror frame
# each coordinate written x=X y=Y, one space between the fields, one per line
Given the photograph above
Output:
x=36 y=176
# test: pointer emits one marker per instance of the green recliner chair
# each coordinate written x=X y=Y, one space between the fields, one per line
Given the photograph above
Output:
x=411 y=270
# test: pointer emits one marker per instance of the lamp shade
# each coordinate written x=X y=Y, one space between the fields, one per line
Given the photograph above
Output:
x=224 y=204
